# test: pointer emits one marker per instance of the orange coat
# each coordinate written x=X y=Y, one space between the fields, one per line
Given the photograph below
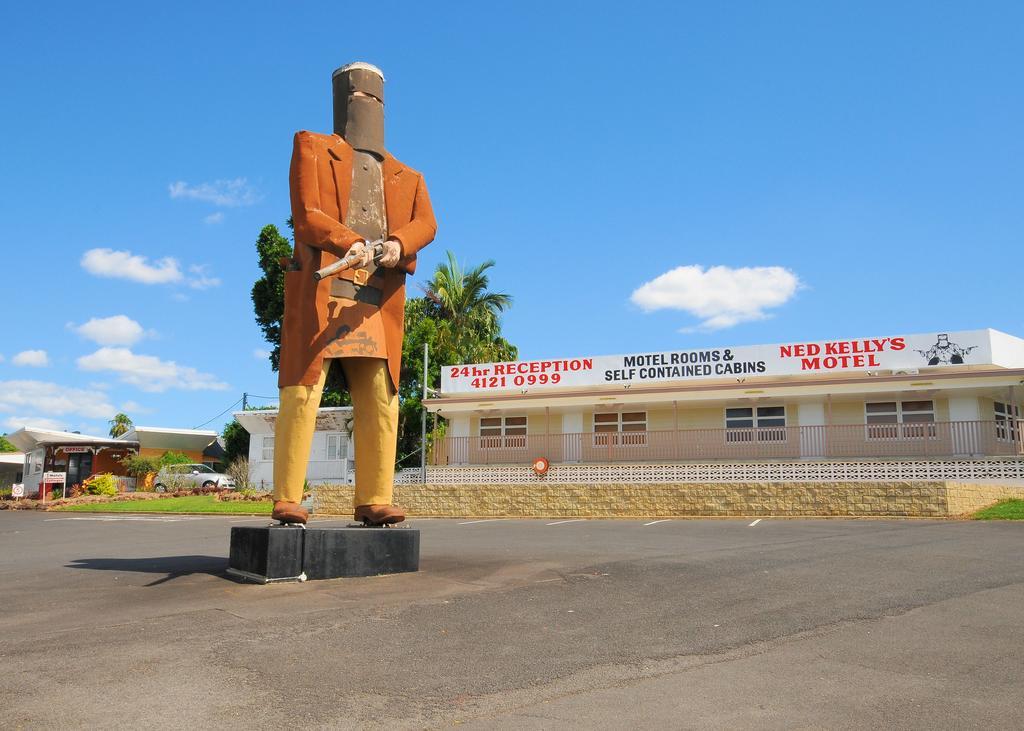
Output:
x=321 y=178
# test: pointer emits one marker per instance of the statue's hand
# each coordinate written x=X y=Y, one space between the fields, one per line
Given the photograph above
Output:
x=392 y=253
x=362 y=254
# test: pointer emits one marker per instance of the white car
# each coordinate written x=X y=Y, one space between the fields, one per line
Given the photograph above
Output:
x=187 y=476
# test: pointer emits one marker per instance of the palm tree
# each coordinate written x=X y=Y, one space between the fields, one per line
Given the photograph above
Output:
x=120 y=424
x=468 y=312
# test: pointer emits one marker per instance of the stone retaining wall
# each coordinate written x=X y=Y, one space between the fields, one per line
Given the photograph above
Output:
x=881 y=499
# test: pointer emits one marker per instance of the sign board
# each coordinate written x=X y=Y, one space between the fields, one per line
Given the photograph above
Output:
x=896 y=352
x=18 y=490
x=54 y=477
x=76 y=450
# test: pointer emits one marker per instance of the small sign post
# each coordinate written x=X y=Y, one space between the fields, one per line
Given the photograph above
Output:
x=55 y=478
x=18 y=490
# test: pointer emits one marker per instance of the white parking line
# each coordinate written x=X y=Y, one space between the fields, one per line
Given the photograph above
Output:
x=486 y=520
x=655 y=522
x=560 y=522
x=121 y=518
x=755 y=522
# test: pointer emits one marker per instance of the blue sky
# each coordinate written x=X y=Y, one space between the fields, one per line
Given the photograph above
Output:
x=647 y=176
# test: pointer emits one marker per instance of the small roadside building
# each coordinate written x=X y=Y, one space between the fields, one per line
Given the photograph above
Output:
x=75 y=457
x=331 y=457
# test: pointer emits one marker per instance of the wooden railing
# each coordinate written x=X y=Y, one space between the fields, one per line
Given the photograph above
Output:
x=936 y=439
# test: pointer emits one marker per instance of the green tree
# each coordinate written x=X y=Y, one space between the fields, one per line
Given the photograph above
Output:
x=236 y=441
x=6 y=446
x=120 y=424
x=468 y=312
x=268 y=291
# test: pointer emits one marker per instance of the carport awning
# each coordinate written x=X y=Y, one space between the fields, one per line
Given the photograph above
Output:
x=179 y=440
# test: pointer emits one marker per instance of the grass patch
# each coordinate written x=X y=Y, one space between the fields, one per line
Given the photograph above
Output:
x=187 y=504
x=1003 y=510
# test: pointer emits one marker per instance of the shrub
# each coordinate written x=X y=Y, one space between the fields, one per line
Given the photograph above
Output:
x=104 y=484
x=143 y=469
x=169 y=458
x=138 y=466
x=172 y=482
x=239 y=472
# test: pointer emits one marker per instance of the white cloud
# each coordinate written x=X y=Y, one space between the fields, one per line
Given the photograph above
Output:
x=720 y=296
x=126 y=265
x=149 y=372
x=52 y=398
x=225 y=193
x=260 y=354
x=33 y=358
x=199 y=280
x=134 y=407
x=14 y=423
x=116 y=330
x=214 y=218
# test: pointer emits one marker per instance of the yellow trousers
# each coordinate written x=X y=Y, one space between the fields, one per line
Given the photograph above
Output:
x=376 y=431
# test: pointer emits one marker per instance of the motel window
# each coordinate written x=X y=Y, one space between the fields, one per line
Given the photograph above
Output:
x=1007 y=421
x=767 y=422
x=900 y=419
x=503 y=431
x=37 y=461
x=268 y=449
x=627 y=428
x=334 y=446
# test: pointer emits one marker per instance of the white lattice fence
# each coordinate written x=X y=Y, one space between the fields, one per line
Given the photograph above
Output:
x=853 y=471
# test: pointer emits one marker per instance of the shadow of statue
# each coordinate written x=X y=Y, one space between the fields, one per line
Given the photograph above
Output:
x=173 y=567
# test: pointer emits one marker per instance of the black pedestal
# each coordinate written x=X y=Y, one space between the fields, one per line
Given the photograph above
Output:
x=289 y=553
x=269 y=553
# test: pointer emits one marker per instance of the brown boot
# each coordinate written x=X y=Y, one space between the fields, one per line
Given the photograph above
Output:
x=379 y=514
x=289 y=512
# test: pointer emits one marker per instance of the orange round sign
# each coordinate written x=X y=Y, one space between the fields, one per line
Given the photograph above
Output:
x=540 y=465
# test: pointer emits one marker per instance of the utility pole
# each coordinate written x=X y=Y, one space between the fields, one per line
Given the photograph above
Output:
x=245 y=401
x=423 y=417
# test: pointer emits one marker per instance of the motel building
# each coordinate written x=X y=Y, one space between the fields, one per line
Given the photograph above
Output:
x=939 y=405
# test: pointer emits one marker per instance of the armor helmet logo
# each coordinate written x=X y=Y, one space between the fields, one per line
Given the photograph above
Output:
x=944 y=352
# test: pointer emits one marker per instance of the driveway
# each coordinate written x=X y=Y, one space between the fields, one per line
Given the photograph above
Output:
x=118 y=621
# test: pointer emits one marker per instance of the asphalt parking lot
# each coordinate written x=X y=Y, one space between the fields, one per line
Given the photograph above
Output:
x=122 y=621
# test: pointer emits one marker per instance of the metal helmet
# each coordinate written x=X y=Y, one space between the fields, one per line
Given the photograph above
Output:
x=359 y=106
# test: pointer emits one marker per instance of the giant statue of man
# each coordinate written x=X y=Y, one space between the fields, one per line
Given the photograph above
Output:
x=348 y=192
